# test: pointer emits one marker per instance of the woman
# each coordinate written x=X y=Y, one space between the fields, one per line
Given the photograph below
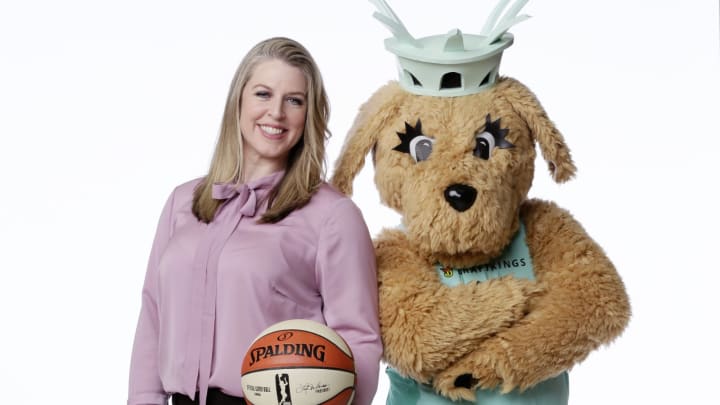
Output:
x=260 y=239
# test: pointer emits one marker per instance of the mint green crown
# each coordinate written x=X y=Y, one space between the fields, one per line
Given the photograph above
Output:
x=454 y=64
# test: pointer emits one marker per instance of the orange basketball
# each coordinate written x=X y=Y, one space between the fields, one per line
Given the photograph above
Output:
x=298 y=362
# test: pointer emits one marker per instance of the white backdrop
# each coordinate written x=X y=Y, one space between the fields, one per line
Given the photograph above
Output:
x=106 y=106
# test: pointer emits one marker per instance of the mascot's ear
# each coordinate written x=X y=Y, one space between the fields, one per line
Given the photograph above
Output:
x=364 y=133
x=552 y=145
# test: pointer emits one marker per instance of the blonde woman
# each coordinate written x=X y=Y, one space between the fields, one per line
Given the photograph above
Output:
x=260 y=239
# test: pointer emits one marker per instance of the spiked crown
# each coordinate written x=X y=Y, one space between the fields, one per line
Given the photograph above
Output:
x=453 y=64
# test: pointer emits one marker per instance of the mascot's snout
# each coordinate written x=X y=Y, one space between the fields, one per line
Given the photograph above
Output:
x=460 y=196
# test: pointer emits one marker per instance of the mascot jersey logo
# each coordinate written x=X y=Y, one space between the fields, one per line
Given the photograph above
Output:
x=515 y=261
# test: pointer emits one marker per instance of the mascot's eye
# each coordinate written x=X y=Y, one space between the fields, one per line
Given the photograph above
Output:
x=484 y=144
x=489 y=138
x=420 y=148
x=415 y=143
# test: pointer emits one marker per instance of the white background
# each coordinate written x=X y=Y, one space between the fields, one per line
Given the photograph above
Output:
x=106 y=106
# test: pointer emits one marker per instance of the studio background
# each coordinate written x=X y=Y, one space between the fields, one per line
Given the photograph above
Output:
x=105 y=106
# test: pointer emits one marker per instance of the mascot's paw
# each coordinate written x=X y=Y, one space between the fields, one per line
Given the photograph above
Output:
x=467 y=375
x=456 y=390
x=462 y=386
x=458 y=385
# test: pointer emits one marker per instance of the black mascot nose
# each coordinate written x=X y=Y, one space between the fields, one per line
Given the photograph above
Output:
x=460 y=196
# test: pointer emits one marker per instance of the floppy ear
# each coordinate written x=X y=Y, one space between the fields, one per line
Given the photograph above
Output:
x=364 y=134
x=552 y=145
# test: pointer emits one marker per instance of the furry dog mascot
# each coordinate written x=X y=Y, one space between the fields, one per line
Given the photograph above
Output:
x=485 y=295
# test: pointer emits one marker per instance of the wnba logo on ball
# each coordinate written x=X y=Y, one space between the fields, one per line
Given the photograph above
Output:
x=282 y=387
x=299 y=349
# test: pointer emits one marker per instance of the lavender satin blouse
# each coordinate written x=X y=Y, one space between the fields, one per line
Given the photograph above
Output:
x=211 y=288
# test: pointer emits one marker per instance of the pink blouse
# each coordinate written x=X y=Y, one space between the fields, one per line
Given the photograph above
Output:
x=211 y=288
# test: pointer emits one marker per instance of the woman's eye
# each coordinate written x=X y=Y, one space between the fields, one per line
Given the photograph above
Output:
x=484 y=144
x=421 y=147
x=296 y=101
x=262 y=94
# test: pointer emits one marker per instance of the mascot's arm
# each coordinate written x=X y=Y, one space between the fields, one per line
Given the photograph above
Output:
x=426 y=325
x=584 y=305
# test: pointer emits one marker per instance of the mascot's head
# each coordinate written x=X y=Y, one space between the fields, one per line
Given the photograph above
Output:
x=453 y=143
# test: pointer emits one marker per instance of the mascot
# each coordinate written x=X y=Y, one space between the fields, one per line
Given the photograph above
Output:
x=486 y=296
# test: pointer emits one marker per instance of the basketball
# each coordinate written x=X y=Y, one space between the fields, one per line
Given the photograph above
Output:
x=298 y=362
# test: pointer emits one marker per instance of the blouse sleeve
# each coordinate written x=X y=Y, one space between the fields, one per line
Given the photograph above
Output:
x=145 y=387
x=347 y=276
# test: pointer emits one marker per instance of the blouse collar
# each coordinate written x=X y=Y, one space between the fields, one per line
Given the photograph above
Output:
x=247 y=194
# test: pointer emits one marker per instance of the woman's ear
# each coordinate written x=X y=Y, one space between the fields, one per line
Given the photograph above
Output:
x=363 y=135
x=552 y=145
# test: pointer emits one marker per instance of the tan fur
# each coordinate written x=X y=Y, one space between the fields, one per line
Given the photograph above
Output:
x=507 y=332
x=415 y=342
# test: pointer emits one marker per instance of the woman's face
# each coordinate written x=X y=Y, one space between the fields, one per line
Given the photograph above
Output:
x=273 y=107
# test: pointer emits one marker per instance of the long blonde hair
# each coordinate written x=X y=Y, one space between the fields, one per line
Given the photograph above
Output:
x=305 y=168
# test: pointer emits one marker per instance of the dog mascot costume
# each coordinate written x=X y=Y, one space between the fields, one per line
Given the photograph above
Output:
x=486 y=296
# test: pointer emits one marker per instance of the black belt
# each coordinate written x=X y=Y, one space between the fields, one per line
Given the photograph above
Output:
x=214 y=397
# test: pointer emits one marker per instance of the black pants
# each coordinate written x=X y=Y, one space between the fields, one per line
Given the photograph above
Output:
x=214 y=397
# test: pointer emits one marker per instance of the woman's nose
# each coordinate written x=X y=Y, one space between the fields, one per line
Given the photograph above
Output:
x=277 y=109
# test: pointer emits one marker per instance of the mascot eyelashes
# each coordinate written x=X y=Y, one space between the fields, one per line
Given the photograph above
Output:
x=486 y=296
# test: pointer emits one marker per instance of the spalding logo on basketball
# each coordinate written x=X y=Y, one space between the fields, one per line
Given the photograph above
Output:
x=298 y=362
